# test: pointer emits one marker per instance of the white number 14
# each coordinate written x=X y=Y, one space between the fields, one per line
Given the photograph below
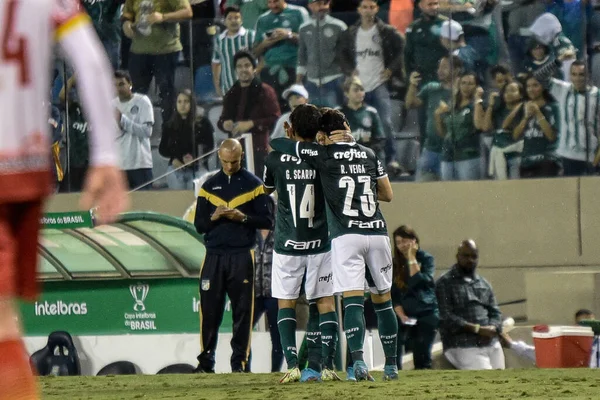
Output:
x=307 y=204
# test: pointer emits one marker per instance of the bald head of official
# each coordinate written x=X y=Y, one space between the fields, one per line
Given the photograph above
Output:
x=230 y=155
x=467 y=256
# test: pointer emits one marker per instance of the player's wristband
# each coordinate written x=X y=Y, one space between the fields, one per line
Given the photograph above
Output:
x=477 y=326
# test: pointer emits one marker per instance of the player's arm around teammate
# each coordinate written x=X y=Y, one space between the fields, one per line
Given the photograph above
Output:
x=302 y=249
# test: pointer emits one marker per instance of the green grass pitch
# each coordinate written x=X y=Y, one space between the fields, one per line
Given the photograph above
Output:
x=510 y=384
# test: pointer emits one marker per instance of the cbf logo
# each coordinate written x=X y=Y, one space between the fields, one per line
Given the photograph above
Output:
x=139 y=293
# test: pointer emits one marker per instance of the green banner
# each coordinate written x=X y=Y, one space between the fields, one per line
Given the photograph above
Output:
x=151 y=306
x=68 y=220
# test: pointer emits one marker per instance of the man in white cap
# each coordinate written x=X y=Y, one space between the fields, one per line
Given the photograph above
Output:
x=452 y=38
x=294 y=95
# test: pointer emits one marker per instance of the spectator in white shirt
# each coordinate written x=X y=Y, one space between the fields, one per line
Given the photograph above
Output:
x=579 y=105
x=136 y=118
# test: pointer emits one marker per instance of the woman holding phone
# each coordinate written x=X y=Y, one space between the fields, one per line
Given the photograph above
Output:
x=413 y=297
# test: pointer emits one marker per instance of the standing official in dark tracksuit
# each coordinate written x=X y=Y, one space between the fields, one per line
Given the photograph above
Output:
x=231 y=206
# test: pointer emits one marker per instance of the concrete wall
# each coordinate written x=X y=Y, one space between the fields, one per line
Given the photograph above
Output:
x=542 y=226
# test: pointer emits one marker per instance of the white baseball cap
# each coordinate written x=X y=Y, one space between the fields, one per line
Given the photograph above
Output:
x=295 y=89
x=451 y=30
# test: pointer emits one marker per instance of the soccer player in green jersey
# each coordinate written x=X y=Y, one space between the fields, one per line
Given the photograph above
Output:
x=302 y=248
x=353 y=181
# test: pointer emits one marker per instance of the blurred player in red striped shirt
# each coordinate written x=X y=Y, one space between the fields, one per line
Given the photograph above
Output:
x=28 y=31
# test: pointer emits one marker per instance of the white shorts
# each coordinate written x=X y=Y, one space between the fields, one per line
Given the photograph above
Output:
x=288 y=273
x=351 y=253
x=477 y=358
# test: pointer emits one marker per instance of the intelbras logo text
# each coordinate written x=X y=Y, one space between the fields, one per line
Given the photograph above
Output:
x=59 y=307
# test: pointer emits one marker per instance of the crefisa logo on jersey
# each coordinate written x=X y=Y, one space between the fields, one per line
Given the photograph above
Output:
x=288 y=158
x=349 y=154
x=386 y=268
x=309 y=152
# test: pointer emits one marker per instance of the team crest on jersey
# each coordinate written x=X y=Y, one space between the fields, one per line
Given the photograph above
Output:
x=328 y=32
x=367 y=122
x=134 y=110
x=376 y=38
x=205 y=285
x=286 y=23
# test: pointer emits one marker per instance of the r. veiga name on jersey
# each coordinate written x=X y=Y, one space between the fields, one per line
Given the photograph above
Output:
x=379 y=223
x=313 y=244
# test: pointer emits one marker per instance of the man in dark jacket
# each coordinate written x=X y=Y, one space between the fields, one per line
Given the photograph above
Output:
x=423 y=47
x=231 y=206
x=373 y=51
x=250 y=106
x=470 y=320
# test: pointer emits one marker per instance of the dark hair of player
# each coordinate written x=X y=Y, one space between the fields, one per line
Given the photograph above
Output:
x=121 y=74
x=332 y=120
x=306 y=120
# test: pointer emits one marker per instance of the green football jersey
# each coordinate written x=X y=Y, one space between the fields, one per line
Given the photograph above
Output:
x=536 y=146
x=301 y=220
x=284 y=52
x=504 y=137
x=462 y=139
x=349 y=174
x=366 y=127
x=431 y=94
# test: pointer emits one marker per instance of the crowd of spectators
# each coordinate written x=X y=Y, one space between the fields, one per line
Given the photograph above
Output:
x=498 y=90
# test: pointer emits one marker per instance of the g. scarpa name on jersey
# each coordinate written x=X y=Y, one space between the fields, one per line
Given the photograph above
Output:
x=309 y=174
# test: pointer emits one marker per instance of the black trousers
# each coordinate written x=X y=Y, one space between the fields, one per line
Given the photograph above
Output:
x=421 y=338
x=230 y=274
